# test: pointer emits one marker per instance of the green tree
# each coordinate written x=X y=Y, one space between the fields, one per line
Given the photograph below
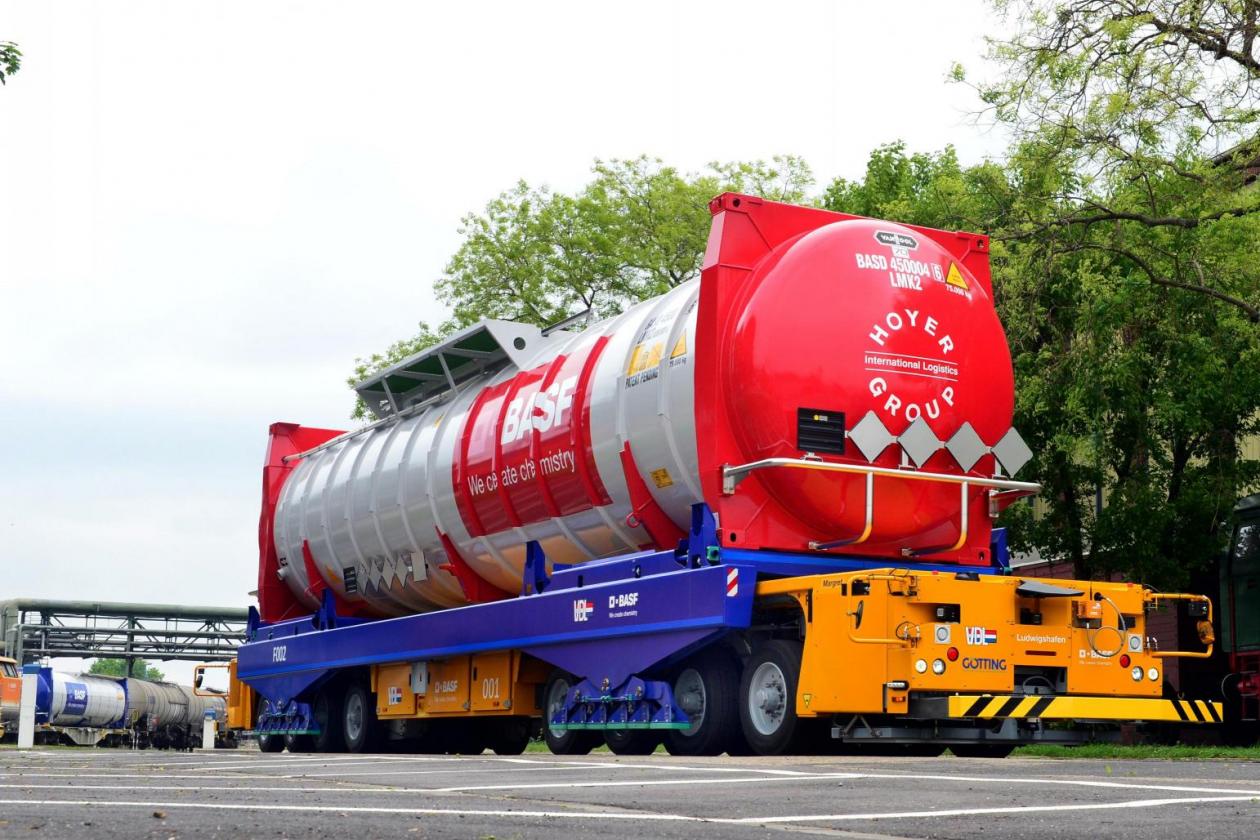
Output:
x=118 y=668
x=637 y=229
x=1134 y=390
x=1122 y=242
x=1128 y=289
x=10 y=60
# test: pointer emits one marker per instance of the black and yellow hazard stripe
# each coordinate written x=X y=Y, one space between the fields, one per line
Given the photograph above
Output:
x=987 y=706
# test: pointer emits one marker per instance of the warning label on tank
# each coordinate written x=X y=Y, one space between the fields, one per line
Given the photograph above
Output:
x=955 y=278
x=652 y=346
x=904 y=271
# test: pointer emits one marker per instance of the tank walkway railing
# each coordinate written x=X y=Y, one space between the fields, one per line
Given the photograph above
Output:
x=1000 y=490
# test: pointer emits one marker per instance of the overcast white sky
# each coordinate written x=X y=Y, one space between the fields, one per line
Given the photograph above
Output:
x=208 y=210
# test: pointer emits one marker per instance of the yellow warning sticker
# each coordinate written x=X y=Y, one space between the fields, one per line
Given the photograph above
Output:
x=645 y=357
x=662 y=479
x=680 y=347
x=955 y=278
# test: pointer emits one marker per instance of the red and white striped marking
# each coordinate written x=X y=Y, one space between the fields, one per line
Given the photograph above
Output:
x=732 y=583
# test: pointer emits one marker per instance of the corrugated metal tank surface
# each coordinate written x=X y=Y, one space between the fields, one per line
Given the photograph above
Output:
x=162 y=704
x=370 y=500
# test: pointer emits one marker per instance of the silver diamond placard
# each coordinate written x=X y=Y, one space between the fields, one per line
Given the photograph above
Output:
x=966 y=447
x=1012 y=452
x=919 y=442
x=870 y=436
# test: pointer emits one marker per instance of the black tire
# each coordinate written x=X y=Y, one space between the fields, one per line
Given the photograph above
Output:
x=707 y=686
x=632 y=741
x=469 y=737
x=266 y=743
x=299 y=743
x=982 y=750
x=767 y=698
x=327 y=713
x=511 y=735
x=360 y=732
x=569 y=742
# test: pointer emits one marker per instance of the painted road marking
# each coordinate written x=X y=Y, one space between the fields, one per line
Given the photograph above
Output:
x=639 y=815
x=1244 y=792
x=436 y=790
x=1013 y=809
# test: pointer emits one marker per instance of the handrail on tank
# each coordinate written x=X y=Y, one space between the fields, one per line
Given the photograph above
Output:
x=998 y=487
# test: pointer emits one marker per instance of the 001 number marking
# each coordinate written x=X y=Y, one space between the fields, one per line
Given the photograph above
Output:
x=490 y=688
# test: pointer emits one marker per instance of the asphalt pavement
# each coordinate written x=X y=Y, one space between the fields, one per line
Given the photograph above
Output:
x=100 y=793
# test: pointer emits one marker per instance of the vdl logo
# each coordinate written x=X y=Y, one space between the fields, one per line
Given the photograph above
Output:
x=582 y=609
x=981 y=636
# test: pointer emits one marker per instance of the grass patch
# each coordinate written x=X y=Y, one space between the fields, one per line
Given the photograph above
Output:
x=1175 y=752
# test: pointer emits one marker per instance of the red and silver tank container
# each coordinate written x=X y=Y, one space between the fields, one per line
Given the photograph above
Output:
x=821 y=367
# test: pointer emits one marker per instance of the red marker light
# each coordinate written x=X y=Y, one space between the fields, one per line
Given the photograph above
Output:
x=1124 y=660
x=952 y=654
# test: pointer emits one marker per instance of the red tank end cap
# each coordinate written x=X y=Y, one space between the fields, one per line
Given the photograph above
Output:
x=858 y=316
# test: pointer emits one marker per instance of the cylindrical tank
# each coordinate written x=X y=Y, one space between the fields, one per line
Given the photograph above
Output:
x=83 y=700
x=856 y=315
x=153 y=704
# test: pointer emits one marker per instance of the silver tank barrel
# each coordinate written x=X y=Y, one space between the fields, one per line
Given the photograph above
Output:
x=559 y=445
x=85 y=700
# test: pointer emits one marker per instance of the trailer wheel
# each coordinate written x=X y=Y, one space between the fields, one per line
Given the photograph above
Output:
x=271 y=743
x=767 y=698
x=328 y=717
x=569 y=742
x=358 y=719
x=707 y=689
x=981 y=750
x=299 y=743
x=510 y=736
x=631 y=741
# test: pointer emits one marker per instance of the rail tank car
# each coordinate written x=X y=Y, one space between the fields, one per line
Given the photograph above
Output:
x=151 y=704
x=837 y=342
x=79 y=700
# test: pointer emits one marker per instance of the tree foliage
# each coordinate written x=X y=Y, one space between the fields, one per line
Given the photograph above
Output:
x=118 y=668
x=637 y=229
x=1128 y=390
x=1123 y=221
x=10 y=60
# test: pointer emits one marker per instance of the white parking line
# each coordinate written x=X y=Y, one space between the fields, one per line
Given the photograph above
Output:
x=448 y=772
x=430 y=790
x=1014 y=809
x=1245 y=793
x=1008 y=780
x=641 y=783
x=360 y=809
x=642 y=816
